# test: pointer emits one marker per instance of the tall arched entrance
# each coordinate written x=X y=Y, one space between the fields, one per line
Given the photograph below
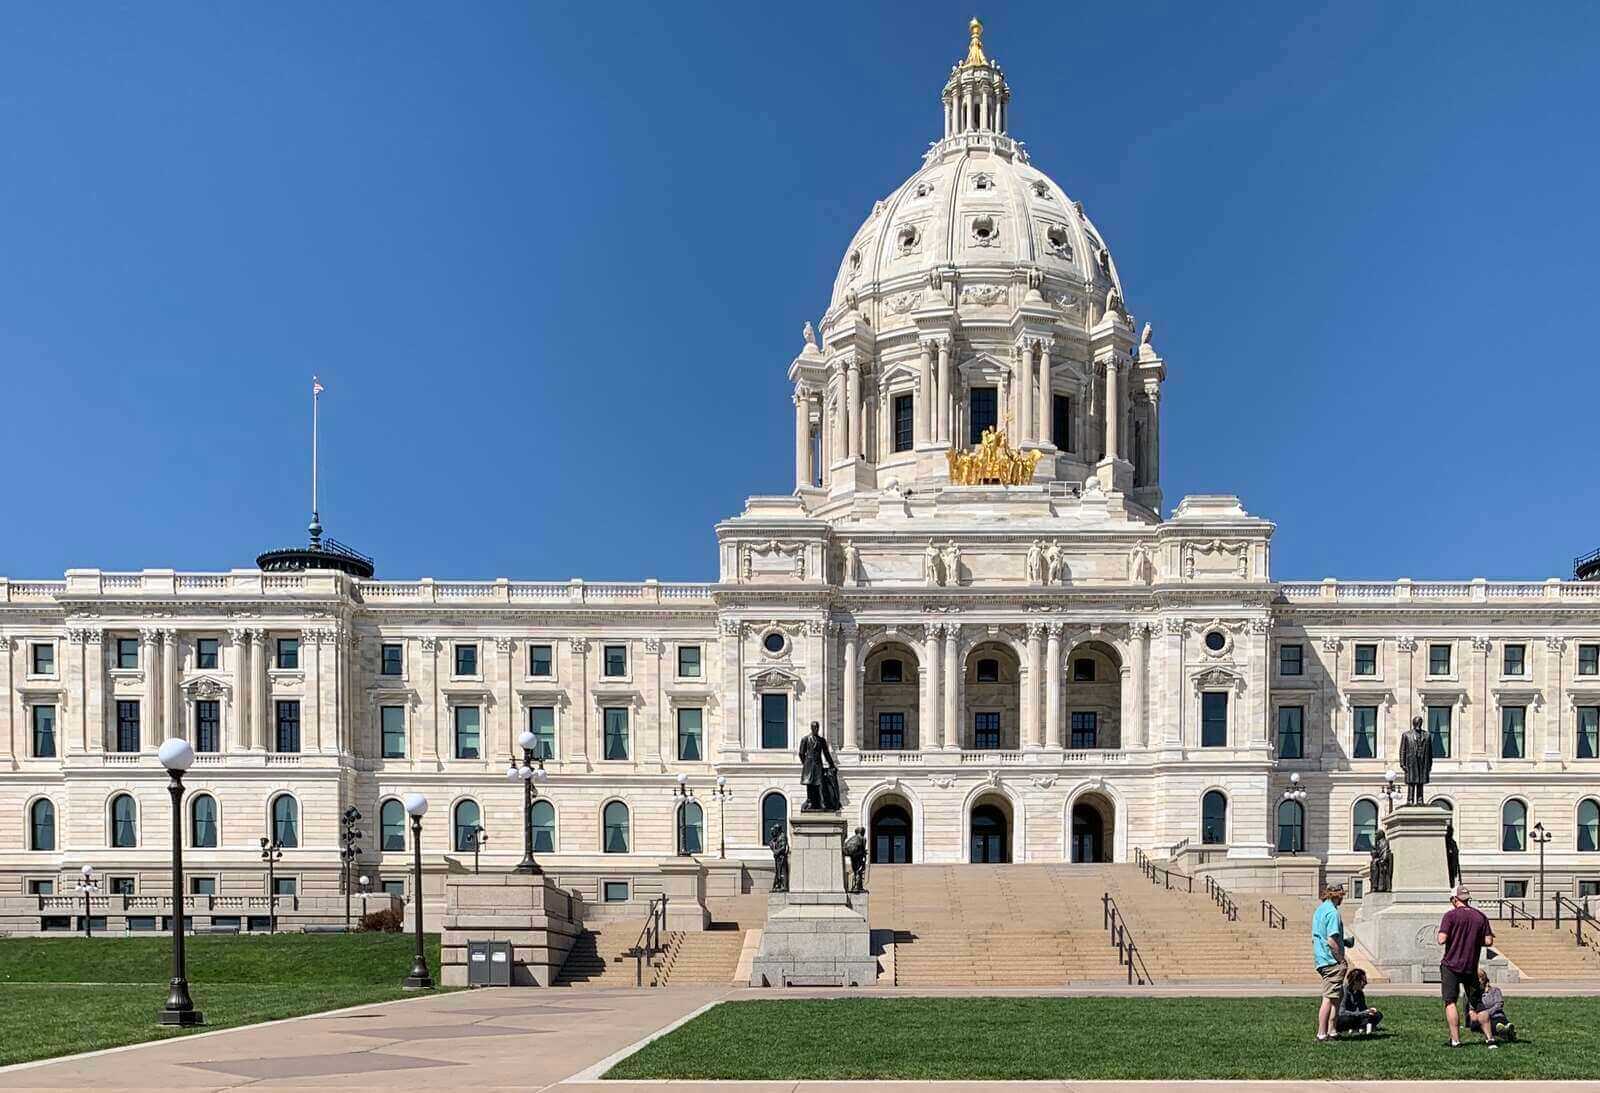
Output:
x=992 y=681
x=889 y=698
x=989 y=833
x=1093 y=828
x=1091 y=700
x=890 y=832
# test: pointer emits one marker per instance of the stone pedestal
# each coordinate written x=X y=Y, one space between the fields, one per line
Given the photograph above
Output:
x=1399 y=930
x=538 y=917
x=816 y=935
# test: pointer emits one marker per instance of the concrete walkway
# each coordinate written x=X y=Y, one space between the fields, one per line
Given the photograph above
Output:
x=530 y=1040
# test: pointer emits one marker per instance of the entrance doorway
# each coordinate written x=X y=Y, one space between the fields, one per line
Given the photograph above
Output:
x=891 y=835
x=989 y=838
x=1092 y=818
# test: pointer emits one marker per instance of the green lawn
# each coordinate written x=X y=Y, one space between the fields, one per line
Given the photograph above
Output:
x=1112 y=1038
x=63 y=995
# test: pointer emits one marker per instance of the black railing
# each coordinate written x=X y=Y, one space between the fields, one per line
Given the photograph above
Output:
x=1127 y=951
x=650 y=938
x=1223 y=899
x=1513 y=911
x=1167 y=878
x=1274 y=918
x=1579 y=915
x=1586 y=567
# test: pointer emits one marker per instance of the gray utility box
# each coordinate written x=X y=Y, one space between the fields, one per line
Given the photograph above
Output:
x=488 y=963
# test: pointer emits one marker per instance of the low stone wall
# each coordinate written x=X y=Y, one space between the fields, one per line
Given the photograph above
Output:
x=133 y=915
x=537 y=916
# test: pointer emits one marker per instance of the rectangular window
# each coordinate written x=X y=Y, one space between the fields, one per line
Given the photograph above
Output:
x=1085 y=729
x=289 y=726
x=1365 y=720
x=891 y=670
x=44 y=732
x=392 y=659
x=396 y=888
x=1589 y=660
x=207 y=725
x=984 y=409
x=775 y=720
x=986 y=730
x=205 y=653
x=1438 y=660
x=541 y=661
x=891 y=731
x=467 y=724
x=128 y=725
x=902 y=423
x=1516 y=889
x=1061 y=422
x=1589 y=732
x=615 y=661
x=1587 y=889
x=1513 y=721
x=1514 y=662
x=1439 y=730
x=121 y=886
x=44 y=658
x=614 y=891
x=127 y=652
x=1083 y=670
x=202 y=886
x=1214 y=719
x=616 y=724
x=542 y=723
x=1291 y=660
x=288 y=652
x=1366 y=660
x=41 y=888
x=688 y=662
x=467 y=659
x=284 y=886
x=392 y=721
x=691 y=719
x=1291 y=732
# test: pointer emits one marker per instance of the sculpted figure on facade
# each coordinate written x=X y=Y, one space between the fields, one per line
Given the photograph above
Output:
x=932 y=566
x=1054 y=564
x=849 y=560
x=1034 y=566
x=950 y=558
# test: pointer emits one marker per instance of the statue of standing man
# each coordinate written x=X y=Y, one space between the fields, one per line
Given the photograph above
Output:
x=1416 y=760
x=816 y=759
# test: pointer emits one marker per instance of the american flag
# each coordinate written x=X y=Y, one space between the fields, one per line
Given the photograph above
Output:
x=316 y=388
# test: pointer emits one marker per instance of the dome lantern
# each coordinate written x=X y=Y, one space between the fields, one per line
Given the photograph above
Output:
x=976 y=98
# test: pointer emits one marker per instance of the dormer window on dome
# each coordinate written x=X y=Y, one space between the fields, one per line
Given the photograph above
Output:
x=982 y=181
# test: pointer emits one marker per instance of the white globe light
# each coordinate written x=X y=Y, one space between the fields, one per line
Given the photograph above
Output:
x=175 y=754
x=511 y=772
x=541 y=774
x=1294 y=779
x=1390 y=776
x=683 y=779
x=88 y=871
x=526 y=774
x=365 y=879
x=527 y=740
x=416 y=805
x=722 y=779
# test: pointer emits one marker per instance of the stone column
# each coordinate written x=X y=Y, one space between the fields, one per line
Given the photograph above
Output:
x=802 y=441
x=853 y=390
x=259 y=733
x=852 y=710
x=1035 y=724
x=946 y=391
x=172 y=720
x=928 y=733
x=1047 y=402
x=1052 y=683
x=1555 y=700
x=924 y=394
x=1024 y=393
x=580 y=701
x=150 y=661
x=1137 y=733
x=1113 y=449
x=239 y=654
x=951 y=727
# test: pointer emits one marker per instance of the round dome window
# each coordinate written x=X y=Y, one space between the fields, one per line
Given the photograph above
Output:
x=1216 y=641
x=984 y=229
x=774 y=643
x=1059 y=241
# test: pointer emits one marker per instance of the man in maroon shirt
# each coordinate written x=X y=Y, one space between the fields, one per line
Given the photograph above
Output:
x=1463 y=931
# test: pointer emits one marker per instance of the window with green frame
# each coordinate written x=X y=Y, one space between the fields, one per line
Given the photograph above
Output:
x=1513 y=721
x=691 y=721
x=1364 y=722
x=1291 y=732
x=542 y=723
x=775 y=719
x=616 y=729
x=469 y=736
x=1214 y=719
x=393 y=720
x=1589 y=732
x=1439 y=730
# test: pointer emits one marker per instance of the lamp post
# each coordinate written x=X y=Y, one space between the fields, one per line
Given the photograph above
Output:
x=348 y=853
x=1297 y=793
x=479 y=837
x=176 y=755
x=683 y=792
x=88 y=886
x=271 y=852
x=1540 y=836
x=420 y=978
x=723 y=795
x=1391 y=779
x=528 y=770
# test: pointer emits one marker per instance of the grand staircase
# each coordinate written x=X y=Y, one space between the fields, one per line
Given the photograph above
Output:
x=598 y=958
x=1543 y=952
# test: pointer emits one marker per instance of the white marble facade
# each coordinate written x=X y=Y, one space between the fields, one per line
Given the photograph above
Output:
x=991 y=661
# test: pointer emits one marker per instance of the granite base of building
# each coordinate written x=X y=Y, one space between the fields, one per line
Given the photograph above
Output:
x=538 y=917
x=816 y=934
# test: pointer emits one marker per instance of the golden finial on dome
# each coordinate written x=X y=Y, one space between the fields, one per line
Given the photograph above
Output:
x=975 y=57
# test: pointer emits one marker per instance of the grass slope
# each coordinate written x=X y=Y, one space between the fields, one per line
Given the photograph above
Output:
x=1108 y=1038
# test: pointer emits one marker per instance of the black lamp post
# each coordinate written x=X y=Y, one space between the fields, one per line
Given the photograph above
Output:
x=1391 y=787
x=479 y=837
x=420 y=978
x=271 y=852
x=1296 y=793
x=528 y=770
x=1540 y=836
x=684 y=792
x=348 y=853
x=723 y=795
x=176 y=755
x=88 y=886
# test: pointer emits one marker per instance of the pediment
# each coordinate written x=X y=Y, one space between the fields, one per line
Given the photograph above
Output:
x=776 y=679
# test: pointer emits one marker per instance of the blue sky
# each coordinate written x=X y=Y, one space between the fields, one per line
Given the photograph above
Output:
x=551 y=262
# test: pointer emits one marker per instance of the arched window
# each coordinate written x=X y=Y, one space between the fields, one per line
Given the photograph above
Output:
x=286 y=821
x=392 y=825
x=1513 y=825
x=1363 y=824
x=468 y=819
x=615 y=821
x=203 y=821
x=1589 y=825
x=1291 y=827
x=544 y=827
x=774 y=813
x=42 y=825
x=124 y=822
x=691 y=828
x=1214 y=818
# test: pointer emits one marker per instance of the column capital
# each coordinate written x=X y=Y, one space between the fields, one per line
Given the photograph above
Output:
x=1140 y=630
x=1035 y=630
x=169 y=637
x=150 y=635
x=1054 y=630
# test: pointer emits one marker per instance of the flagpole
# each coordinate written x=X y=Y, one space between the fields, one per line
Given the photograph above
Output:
x=316 y=524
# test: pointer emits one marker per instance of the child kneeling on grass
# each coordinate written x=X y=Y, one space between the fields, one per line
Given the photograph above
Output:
x=1354 y=1015
x=1493 y=1002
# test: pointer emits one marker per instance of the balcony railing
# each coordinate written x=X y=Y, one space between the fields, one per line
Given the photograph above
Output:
x=1402 y=591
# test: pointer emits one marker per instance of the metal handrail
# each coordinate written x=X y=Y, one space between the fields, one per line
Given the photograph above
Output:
x=649 y=943
x=1580 y=914
x=1222 y=898
x=1167 y=878
x=1122 y=938
x=1274 y=918
x=1511 y=909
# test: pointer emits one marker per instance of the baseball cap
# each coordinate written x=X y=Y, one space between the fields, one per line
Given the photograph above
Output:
x=1461 y=892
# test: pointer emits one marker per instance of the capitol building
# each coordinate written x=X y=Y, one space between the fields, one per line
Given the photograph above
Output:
x=1019 y=650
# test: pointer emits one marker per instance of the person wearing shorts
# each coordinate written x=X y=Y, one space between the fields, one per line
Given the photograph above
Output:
x=1327 y=953
x=1463 y=932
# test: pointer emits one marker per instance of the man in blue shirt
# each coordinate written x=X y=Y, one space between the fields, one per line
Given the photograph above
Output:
x=1328 y=953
